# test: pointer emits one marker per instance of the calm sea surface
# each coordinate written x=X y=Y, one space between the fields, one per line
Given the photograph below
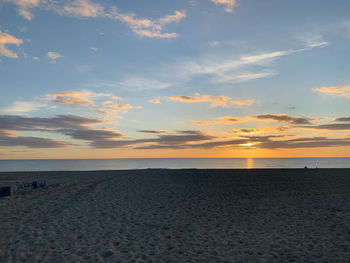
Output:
x=200 y=163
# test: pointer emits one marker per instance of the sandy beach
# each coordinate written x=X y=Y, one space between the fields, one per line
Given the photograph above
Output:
x=276 y=215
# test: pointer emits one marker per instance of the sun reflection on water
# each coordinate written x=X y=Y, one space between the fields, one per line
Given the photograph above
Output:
x=250 y=163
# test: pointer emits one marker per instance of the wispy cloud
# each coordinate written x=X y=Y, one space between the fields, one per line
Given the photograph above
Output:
x=313 y=41
x=145 y=27
x=81 y=8
x=24 y=7
x=340 y=91
x=219 y=101
x=23 y=107
x=141 y=83
x=229 y=4
x=7 y=39
x=241 y=69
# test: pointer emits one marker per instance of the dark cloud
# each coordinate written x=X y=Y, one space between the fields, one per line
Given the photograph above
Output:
x=104 y=144
x=181 y=139
x=11 y=122
x=244 y=130
x=284 y=118
x=151 y=131
x=343 y=119
x=91 y=135
x=31 y=142
x=74 y=126
x=305 y=143
x=184 y=137
x=333 y=126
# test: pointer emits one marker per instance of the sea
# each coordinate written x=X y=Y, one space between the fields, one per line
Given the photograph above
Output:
x=170 y=163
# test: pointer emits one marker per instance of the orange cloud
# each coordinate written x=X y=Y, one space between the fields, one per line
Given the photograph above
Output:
x=220 y=101
x=155 y=101
x=242 y=103
x=117 y=107
x=146 y=27
x=74 y=98
x=53 y=55
x=221 y=120
x=342 y=91
x=7 y=39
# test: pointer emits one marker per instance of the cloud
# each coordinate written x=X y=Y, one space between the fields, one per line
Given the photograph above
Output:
x=340 y=91
x=140 y=83
x=152 y=132
x=30 y=142
x=314 y=142
x=155 y=101
x=284 y=118
x=76 y=127
x=200 y=140
x=53 y=55
x=241 y=69
x=180 y=140
x=313 y=41
x=20 y=107
x=19 y=123
x=91 y=134
x=242 y=103
x=148 y=28
x=332 y=126
x=229 y=4
x=82 y=8
x=7 y=39
x=117 y=107
x=24 y=6
x=73 y=98
x=221 y=120
x=220 y=101
x=142 y=27
x=113 y=110
x=345 y=119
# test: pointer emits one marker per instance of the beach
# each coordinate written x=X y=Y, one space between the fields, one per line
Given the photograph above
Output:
x=160 y=215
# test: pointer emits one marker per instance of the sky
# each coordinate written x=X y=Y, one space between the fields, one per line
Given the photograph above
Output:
x=170 y=79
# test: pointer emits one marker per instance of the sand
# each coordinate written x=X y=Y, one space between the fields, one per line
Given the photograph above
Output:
x=178 y=216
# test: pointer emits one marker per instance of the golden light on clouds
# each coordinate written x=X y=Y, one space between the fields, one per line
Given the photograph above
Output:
x=341 y=91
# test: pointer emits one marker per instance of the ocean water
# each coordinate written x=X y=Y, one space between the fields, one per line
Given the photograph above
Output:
x=178 y=163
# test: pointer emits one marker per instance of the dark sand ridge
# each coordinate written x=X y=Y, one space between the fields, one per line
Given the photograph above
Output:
x=280 y=215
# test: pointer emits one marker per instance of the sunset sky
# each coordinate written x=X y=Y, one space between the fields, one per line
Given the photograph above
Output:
x=184 y=78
